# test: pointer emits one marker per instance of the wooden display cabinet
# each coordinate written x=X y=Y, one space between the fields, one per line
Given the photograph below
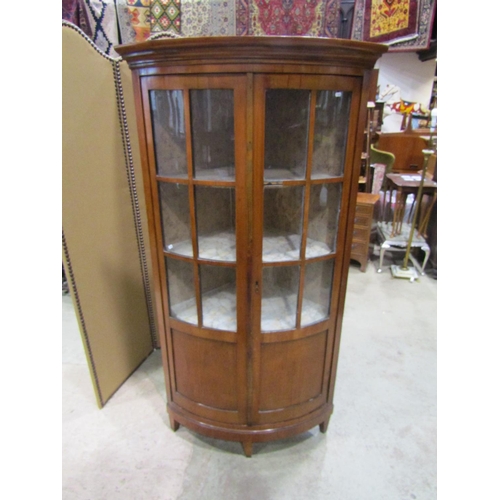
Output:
x=250 y=151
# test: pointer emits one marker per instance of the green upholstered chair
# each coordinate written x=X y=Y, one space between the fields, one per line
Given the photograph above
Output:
x=378 y=156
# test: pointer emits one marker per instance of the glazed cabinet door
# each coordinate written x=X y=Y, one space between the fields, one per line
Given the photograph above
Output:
x=195 y=128
x=305 y=129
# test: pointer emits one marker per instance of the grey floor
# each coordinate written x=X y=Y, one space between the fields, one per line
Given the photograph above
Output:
x=380 y=445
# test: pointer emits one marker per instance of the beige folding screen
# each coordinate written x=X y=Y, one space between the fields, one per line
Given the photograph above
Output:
x=105 y=242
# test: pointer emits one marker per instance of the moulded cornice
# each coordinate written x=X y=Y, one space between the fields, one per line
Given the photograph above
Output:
x=250 y=49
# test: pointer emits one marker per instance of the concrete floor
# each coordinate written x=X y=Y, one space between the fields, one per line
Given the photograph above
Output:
x=380 y=445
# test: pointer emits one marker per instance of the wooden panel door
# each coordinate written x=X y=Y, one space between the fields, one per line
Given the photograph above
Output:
x=305 y=130
x=195 y=128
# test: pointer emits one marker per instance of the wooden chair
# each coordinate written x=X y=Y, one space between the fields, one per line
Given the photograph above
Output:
x=385 y=157
x=378 y=156
x=407 y=149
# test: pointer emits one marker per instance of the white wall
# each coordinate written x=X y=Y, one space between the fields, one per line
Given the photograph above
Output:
x=406 y=71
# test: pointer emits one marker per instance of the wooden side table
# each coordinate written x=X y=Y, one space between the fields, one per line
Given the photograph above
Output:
x=405 y=185
x=363 y=221
x=394 y=235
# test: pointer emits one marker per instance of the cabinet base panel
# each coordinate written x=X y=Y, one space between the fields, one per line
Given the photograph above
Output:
x=247 y=435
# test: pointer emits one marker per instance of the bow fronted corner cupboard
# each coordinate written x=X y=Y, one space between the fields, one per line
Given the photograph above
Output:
x=251 y=151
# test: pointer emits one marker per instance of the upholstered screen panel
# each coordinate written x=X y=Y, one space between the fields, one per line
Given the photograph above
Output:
x=105 y=240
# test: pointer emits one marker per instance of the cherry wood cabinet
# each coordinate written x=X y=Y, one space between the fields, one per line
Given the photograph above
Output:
x=250 y=151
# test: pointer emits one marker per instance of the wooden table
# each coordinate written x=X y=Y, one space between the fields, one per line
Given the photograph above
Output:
x=405 y=184
x=395 y=235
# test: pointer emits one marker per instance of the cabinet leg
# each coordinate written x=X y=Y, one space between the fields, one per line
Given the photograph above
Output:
x=323 y=427
x=173 y=423
x=247 y=448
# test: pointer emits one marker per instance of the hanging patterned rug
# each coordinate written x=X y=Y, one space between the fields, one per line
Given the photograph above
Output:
x=386 y=20
x=208 y=17
x=166 y=16
x=102 y=22
x=287 y=17
x=134 y=19
x=404 y=25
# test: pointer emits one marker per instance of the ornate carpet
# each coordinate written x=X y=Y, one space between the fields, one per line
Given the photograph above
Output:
x=128 y=21
x=74 y=12
x=101 y=15
x=287 y=17
x=404 y=25
x=134 y=20
x=208 y=17
x=139 y=19
x=165 y=16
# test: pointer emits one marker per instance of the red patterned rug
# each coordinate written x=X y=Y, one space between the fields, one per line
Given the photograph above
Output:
x=287 y=17
x=404 y=25
x=386 y=20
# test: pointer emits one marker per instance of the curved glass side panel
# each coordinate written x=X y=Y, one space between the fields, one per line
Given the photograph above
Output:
x=287 y=125
x=218 y=297
x=280 y=290
x=331 y=127
x=212 y=126
x=181 y=293
x=282 y=229
x=175 y=218
x=324 y=209
x=317 y=292
x=215 y=220
x=169 y=132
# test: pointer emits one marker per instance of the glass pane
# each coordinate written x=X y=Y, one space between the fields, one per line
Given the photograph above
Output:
x=283 y=209
x=330 y=133
x=175 y=218
x=287 y=124
x=324 y=209
x=215 y=215
x=167 y=110
x=212 y=126
x=181 y=293
x=317 y=292
x=218 y=297
x=280 y=289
